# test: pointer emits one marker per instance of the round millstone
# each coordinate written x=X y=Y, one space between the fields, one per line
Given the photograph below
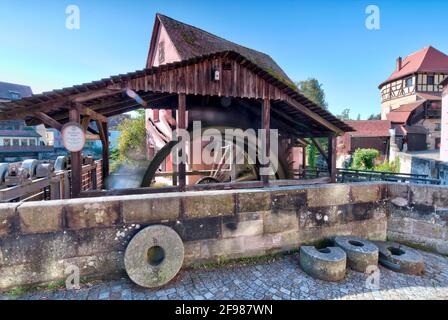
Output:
x=327 y=264
x=154 y=256
x=361 y=253
x=400 y=258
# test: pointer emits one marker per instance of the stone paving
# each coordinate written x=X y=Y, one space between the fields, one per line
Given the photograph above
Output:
x=281 y=278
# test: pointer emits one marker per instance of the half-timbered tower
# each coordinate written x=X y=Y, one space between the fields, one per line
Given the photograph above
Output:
x=411 y=96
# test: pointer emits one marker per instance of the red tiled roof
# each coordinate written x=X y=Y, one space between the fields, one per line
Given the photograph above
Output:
x=402 y=113
x=402 y=130
x=428 y=59
x=429 y=96
x=370 y=128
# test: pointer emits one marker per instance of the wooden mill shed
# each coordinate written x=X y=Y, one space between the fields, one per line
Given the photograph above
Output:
x=180 y=85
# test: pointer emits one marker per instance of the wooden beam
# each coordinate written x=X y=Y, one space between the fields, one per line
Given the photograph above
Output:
x=56 y=103
x=332 y=157
x=26 y=110
x=304 y=160
x=85 y=122
x=266 y=125
x=99 y=124
x=279 y=123
x=92 y=94
x=76 y=160
x=104 y=137
x=321 y=150
x=92 y=114
x=314 y=116
x=49 y=121
x=181 y=124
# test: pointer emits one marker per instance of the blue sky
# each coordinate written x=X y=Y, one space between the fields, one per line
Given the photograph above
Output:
x=327 y=40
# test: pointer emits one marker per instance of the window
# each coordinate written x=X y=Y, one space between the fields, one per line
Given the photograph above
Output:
x=14 y=95
x=7 y=142
x=15 y=142
x=430 y=80
x=161 y=52
x=32 y=142
x=437 y=127
x=155 y=115
x=24 y=142
x=409 y=82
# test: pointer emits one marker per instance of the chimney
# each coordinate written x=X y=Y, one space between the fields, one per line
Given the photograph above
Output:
x=399 y=63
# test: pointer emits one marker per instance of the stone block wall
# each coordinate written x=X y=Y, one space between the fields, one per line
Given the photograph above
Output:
x=38 y=240
x=418 y=215
x=414 y=164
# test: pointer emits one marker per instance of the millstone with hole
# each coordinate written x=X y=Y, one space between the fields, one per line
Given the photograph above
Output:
x=361 y=253
x=154 y=256
x=327 y=264
x=400 y=258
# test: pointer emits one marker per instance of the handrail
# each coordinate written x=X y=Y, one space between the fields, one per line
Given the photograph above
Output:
x=383 y=172
x=351 y=175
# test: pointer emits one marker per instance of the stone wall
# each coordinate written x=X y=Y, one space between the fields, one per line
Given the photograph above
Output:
x=418 y=215
x=413 y=164
x=38 y=240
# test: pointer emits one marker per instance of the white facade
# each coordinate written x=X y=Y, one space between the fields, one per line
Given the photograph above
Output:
x=444 y=134
x=10 y=141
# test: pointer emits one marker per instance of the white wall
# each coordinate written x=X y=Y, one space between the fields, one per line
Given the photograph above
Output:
x=444 y=133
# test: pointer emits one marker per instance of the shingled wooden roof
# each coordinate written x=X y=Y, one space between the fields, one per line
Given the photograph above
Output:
x=193 y=77
x=191 y=42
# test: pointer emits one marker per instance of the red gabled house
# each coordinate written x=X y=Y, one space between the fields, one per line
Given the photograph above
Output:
x=411 y=98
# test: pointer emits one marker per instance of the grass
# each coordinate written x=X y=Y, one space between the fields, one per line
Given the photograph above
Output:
x=53 y=285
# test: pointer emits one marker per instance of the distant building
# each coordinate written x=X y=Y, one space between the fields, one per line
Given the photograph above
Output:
x=411 y=98
x=18 y=141
x=369 y=134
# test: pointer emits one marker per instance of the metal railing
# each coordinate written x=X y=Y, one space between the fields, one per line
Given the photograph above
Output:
x=55 y=186
x=353 y=175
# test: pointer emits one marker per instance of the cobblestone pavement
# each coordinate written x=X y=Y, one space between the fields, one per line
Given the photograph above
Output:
x=279 y=279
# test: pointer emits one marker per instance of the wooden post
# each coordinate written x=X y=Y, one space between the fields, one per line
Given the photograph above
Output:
x=266 y=125
x=304 y=161
x=104 y=136
x=332 y=157
x=181 y=124
x=76 y=159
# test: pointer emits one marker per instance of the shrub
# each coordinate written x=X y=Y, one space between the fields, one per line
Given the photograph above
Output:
x=364 y=159
x=392 y=166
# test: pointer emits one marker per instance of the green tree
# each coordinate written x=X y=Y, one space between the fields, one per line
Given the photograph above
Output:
x=313 y=90
x=132 y=141
x=311 y=153
x=375 y=116
x=345 y=115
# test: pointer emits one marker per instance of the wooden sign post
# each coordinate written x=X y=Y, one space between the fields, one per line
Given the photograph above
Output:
x=74 y=139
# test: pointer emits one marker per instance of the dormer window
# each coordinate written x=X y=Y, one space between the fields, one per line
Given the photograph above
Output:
x=409 y=82
x=161 y=52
